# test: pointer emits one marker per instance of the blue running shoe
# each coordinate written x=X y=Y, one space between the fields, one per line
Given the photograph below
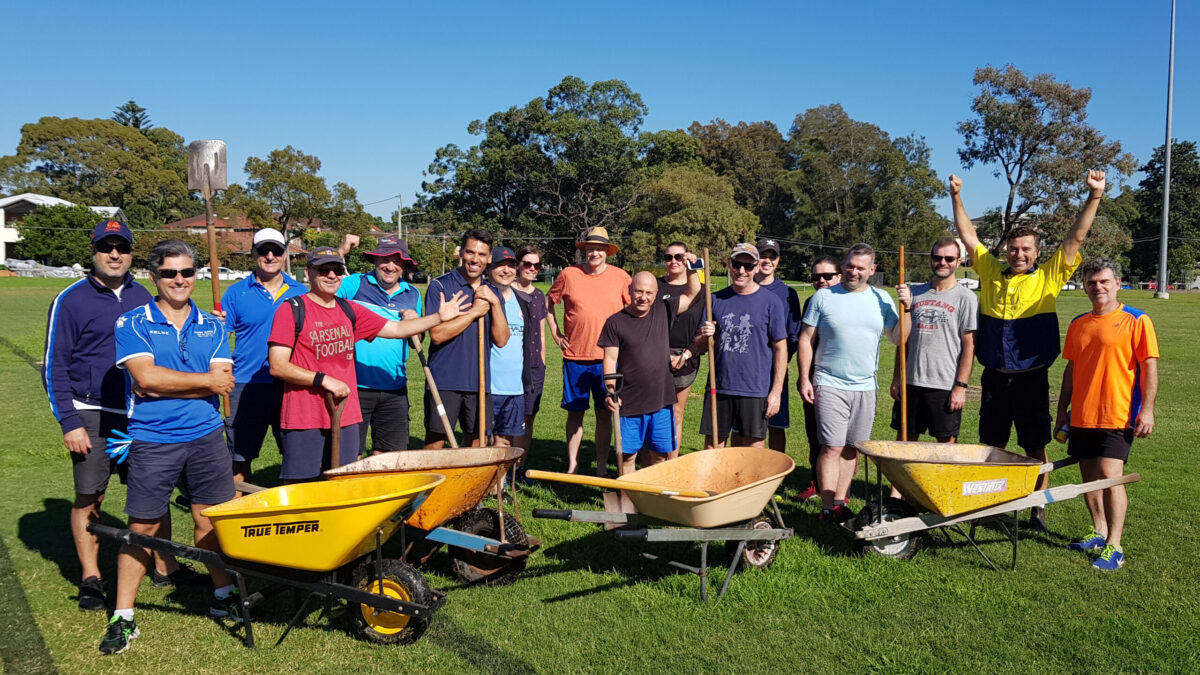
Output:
x=1092 y=542
x=1110 y=560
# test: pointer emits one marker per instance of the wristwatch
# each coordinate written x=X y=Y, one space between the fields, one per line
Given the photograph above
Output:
x=960 y=383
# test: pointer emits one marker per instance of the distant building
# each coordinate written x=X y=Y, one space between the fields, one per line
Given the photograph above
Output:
x=16 y=207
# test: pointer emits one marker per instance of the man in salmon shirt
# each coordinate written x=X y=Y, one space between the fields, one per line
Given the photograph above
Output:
x=1111 y=383
x=312 y=352
x=590 y=293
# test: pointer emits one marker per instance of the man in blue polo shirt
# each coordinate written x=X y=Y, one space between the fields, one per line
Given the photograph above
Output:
x=454 y=344
x=250 y=306
x=382 y=364
x=178 y=360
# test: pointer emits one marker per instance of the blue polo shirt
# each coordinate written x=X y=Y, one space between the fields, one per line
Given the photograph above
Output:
x=249 y=310
x=381 y=363
x=455 y=363
x=202 y=341
x=507 y=362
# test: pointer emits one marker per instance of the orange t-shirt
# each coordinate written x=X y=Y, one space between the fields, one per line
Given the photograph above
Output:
x=1107 y=352
x=588 y=300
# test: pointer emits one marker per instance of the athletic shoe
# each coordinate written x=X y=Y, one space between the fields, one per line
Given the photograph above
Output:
x=230 y=607
x=1037 y=521
x=1093 y=541
x=120 y=633
x=1110 y=560
x=837 y=515
x=808 y=493
x=185 y=576
x=91 y=595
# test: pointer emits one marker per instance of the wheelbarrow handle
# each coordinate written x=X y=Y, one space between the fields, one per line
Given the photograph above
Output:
x=553 y=514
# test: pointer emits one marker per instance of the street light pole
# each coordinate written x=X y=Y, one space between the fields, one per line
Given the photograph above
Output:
x=1161 y=292
x=399 y=216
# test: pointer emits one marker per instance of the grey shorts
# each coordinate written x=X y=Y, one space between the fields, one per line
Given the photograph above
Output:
x=91 y=471
x=154 y=468
x=844 y=417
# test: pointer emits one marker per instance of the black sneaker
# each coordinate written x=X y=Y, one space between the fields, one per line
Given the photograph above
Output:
x=118 y=636
x=1037 y=520
x=230 y=607
x=91 y=595
x=185 y=576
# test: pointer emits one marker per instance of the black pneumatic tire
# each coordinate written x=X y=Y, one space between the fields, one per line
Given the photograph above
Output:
x=899 y=547
x=400 y=581
x=479 y=567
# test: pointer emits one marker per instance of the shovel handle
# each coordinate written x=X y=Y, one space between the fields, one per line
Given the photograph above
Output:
x=335 y=429
x=712 y=370
x=616 y=484
x=903 y=362
x=433 y=392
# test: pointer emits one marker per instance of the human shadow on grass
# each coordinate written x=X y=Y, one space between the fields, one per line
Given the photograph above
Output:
x=48 y=533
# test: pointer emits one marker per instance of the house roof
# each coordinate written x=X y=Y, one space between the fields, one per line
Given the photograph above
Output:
x=45 y=200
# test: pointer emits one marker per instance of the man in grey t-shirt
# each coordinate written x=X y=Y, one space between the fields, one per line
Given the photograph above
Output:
x=941 y=350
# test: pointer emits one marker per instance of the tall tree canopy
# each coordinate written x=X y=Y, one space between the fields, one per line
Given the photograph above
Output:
x=751 y=156
x=131 y=114
x=1183 y=250
x=287 y=182
x=1034 y=132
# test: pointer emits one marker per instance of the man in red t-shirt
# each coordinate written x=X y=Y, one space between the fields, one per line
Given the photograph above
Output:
x=318 y=360
x=590 y=293
x=1111 y=383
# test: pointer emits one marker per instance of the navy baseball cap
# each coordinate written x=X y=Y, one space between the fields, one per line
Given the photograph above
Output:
x=323 y=255
x=502 y=255
x=390 y=246
x=111 y=228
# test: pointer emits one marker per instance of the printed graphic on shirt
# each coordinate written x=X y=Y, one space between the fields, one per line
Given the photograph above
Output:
x=736 y=333
x=331 y=340
x=932 y=314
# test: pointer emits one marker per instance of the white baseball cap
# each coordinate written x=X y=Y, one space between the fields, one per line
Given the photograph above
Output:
x=269 y=234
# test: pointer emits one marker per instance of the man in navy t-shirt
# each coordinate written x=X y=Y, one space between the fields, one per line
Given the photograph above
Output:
x=751 y=358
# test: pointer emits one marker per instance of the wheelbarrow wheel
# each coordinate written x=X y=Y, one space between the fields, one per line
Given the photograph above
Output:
x=481 y=567
x=400 y=581
x=900 y=547
x=756 y=554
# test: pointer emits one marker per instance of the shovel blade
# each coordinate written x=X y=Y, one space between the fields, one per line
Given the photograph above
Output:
x=212 y=155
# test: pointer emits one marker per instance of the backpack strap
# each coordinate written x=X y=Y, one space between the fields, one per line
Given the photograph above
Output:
x=297 y=315
x=349 y=311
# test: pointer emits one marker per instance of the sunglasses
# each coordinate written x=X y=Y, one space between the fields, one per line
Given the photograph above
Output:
x=943 y=258
x=264 y=251
x=823 y=276
x=187 y=272
x=336 y=269
x=531 y=265
x=678 y=257
x=738 y=265
x=122 y=247
x=768 y=256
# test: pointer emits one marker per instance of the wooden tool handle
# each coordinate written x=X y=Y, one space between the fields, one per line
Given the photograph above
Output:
x=712 y=369
x=903 y=362
x=335 y=429
x=482 y=388
x=433 y=392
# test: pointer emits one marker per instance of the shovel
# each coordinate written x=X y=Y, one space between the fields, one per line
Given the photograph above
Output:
x=712 y=364
x=335 y=429
x=208 y=172
x=617 y=502
x=433 y=390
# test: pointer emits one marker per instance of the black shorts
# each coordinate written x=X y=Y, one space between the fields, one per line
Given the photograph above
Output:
x=928 y=413
x=461 y=409
x=255 y=407
x=1093 y=443
x=1020 y=400
x=747 y=412
x=385 y=413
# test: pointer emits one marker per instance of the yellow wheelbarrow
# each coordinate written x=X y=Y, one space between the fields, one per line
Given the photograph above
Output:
x=325 y=538
x=946 y=485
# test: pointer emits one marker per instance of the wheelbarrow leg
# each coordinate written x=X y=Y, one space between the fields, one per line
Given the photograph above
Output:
x=971 y=539
x=733 y=567
x=296 y=619
x=244 y=601
x=703 y=569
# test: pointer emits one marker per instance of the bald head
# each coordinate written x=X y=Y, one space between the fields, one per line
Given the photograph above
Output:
x=642 y=293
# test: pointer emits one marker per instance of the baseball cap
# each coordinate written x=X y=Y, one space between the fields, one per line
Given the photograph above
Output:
x=748 y=250
x=390 y=246
x=501 y=255
x=765 y=245
x=111 y=228
x=269 y=235
x=323 y=255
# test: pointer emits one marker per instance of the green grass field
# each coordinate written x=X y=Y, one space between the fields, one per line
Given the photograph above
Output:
x=587 y=603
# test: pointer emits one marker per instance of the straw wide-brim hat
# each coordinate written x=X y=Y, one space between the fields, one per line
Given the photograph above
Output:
x=597 y=235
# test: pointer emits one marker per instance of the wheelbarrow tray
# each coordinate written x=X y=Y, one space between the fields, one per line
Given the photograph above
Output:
x=470 y=473
x=318 y=526
x=743 y=480
x=953 y=478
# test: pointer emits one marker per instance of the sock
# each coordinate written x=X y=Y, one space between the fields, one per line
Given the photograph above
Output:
x=839 y=502
x=1119 y=549
x=126 y=614
x=224 y=592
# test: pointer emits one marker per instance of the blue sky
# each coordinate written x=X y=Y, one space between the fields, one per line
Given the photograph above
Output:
x=373 y=89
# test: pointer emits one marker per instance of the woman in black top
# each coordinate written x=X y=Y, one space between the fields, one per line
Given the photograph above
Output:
x=684 y=363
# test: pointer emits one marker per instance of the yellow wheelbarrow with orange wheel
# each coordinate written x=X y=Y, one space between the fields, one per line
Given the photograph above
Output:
x=325 y=538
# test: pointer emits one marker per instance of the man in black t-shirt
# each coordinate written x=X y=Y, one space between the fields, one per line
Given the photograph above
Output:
x=636 y=345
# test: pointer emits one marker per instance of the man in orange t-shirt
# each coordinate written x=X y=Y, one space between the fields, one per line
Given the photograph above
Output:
x=590 y=293
x=1111 y=384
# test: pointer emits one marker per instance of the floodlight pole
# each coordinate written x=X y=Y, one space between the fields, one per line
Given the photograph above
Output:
x=400 y=216
x=1161 y=291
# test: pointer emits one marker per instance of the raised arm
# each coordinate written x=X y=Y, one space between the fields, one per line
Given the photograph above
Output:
x=1087 y=215
x=962 y=222
x=693 y=288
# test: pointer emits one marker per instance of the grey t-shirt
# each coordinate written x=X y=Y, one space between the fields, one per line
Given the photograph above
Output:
x=934 y=344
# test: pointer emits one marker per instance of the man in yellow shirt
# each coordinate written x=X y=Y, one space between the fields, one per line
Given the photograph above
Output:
x=1018 y=338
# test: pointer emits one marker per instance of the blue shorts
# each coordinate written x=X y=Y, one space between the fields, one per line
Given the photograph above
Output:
x=306 y=451
x=255 y=407
x=154 y=468
x=580 y=378
x=781 y=420
x=655 y=431
x=508 y=415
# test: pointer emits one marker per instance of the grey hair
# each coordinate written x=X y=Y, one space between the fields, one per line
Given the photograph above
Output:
x=859 y=249
x=1097 y=265
x=169 y=248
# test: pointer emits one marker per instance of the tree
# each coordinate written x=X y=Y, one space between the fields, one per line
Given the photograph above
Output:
x=57 y=235
x=1183 y=251
x=752 y=157
x=98 y=163
x=1035 y=132
x=288 y=183
x=692 y=205
x=130 y=114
